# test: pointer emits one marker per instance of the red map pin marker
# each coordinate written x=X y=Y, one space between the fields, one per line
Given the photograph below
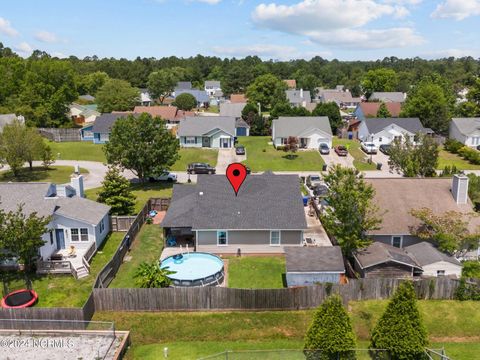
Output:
x=236 y=174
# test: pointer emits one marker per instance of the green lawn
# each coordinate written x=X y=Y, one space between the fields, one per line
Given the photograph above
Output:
x=147 y=247
x=142 y=192
x=65 y=290
x=451 y=324
x=261 y=156
x=358 y=155
x=260 y=272
x=446 y=158
x=195 y=155
x=78 y=150
x=55 y=174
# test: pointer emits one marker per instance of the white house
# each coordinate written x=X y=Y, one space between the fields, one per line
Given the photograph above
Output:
x=385 y=130
x=310 y=130
x=207 y=131
x=466 y=130
x=212 y=87
x=7 y=119
x=433 y=261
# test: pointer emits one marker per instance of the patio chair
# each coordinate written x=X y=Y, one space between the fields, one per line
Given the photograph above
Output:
x=171 y=241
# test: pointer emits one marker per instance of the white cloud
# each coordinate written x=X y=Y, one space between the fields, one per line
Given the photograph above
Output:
x=6 y=28
x=457 y=9
x=46 y=36
x=211 y=2
x=23 y=48
x=58 y=54
x=339 y=23
x=268 y=51
x=458 y=53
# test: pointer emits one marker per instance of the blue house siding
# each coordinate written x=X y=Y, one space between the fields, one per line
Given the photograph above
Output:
x=87 y=133
x=359 y=113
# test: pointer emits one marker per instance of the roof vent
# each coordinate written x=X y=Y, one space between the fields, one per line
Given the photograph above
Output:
x=200 y=193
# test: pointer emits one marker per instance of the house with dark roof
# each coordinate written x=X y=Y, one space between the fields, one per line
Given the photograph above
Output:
x=209 y=131
x=380 y=260
x=313 y=265
x=370 y=109
x=388 y=97
x=310 y=130
x=75 y=221
x=99 y=131
x=385 y=130
x=466 y=130
x=210 y=215
x=433 y=261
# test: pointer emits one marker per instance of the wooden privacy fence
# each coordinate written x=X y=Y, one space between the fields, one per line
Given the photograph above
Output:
x=220 y=298
x=60 y=135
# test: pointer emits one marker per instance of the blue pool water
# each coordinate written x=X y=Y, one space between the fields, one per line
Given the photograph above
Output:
x=193 y=266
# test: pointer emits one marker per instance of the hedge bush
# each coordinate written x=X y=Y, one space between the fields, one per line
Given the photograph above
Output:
x=453 y=145
x=470 y=154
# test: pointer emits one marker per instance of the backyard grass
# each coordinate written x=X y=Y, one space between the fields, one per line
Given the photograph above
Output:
x=452 y=324
x=261 y=156
x=360 y=158
x=65 y=290
x=147 y=247
x=259 y=272
x=54 y=174
x=78 y=150
x=446 y=158
x=142 y=192
x=188 y=156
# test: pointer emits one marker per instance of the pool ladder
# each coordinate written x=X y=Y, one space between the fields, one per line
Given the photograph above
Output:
x=186 y=249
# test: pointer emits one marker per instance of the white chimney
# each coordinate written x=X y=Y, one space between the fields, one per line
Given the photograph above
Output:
x=460 y=189
x=301 y=93
x=77 y=169
x=77 y=183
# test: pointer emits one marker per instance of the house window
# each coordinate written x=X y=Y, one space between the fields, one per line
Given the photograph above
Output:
x=88 y=134
x=283 y=141
x=275 y=238
x=51 y=237
x=397 y=241
x=380 y=139
x=222 y=238
x=84 y=234
x=74 y=234
x=102 y=226
x=190 y=140
x=440 y=272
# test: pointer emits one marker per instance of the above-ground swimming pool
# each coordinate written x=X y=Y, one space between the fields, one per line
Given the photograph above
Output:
x=195 y=269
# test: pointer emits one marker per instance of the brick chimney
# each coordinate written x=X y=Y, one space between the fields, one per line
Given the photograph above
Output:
x=460 y=189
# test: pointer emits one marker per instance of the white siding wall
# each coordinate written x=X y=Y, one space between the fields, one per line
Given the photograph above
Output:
x=363 y=131
x=198 y=144
x=47 y=249
x=215 y=139
x=67 y=224
x=449 y=268
x=316 y=139
x=100 y=236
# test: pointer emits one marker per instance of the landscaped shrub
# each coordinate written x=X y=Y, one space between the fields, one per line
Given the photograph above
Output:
x=452 y=145
x=470 y=154
x=467 y=291
x=471 y=269
x=449 y=170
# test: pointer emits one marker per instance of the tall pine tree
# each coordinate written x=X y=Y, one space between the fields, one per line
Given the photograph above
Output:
x=116 y=193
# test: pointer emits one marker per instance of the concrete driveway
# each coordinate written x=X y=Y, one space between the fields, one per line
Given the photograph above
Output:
x=315 y=230
x=334 y=159
x=225 y=158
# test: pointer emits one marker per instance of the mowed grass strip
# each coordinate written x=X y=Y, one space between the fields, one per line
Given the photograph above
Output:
x=360 y=158
x=188 y=156
x=258 y=272
x=446 y=158
x=54 y=174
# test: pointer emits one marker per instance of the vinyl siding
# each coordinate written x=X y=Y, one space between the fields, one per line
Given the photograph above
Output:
x=449 y=268
x=387 y=239
x=295 y=279
x=250 y=237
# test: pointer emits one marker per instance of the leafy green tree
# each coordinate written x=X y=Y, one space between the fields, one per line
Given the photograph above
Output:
x=381 y=79
x=33 y=145
x=331 y=110
x=285 y=109
x=330 y=335
x=185 y=101
x=306 y=81
x=47 y=156
x=352 y=212
x=116 y=193
x=12 y=146
x=471 y=107
x=91 y=83
x=162 y=83
x=449 y=231
x=400 y=330
x=471 y=269
x=143 y=145
x=116 y=95
x=414 y=159
x=248 y=110
x=383 y=111
x=267 y=90
x=151 y=275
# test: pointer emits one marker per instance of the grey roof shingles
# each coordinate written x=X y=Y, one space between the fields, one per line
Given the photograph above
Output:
x=212 y=83
x=295 y=126
x=200 y=95
x=232 y=109
x=314 y=259
x=104 y=123
x=467 y=126
x=264 y=202
x=394 y=96
x=413 y=125
x=295 y=96
x=379 y=253
x=426 y=253
x=201 y=125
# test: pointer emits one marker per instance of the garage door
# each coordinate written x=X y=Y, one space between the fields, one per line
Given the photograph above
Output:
x=241 y=131
x=323 y=141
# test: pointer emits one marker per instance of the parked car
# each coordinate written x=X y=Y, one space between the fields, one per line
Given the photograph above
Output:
x=313 y=180
x=324 y=149
x=369 y=147
x=200 y=168
x=384 y=148
x=341 y=150
x=240 y=150
x=166 y=176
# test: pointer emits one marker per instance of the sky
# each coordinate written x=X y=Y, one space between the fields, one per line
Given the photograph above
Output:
x=272 y=29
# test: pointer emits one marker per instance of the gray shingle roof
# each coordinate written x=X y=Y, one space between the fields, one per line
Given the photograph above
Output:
x=413 y=125
x=212 y=83
x=314 y=259
x=103 y=124
x=183 y=85
x=379 y=253
x=200 y=125
x=466 y=126
x=264 y=202
x=387 y=96
x=232 y=109
x=200 y=95
x=426 y=253
x=295 y=126
x=294 y=96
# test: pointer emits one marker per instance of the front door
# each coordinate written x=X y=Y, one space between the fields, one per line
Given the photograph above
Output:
x=225 y=142
x=205 y=141
x=60 y=235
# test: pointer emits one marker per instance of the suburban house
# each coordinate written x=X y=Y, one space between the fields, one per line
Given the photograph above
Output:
x=298 y=98
x=380 y=260
x=311 y=131
x=208 y=131
x=466 y=130
x=232 y=109
x=343 y=98
x=145 y=99
x=99 y=131
x=77 y=228
x=433 y=261
x=313 y=265
x=388 y=97
x=203 y=100
x=83 y=114
x=397 y=197
x=291 y=83
x=385 y=130
x=6 y=119
x=370 y=109
x=171 y=114
x=214 y=219
x=238 y=98
x=212 y=86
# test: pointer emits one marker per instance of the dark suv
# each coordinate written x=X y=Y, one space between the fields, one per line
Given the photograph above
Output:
x=200 y=168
